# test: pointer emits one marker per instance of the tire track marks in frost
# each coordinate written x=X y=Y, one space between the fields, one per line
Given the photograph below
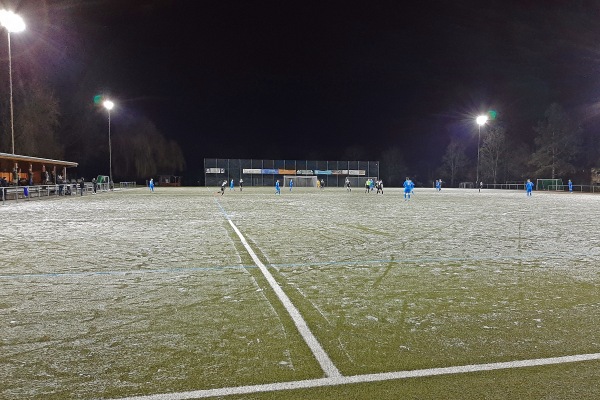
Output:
x=322 y=357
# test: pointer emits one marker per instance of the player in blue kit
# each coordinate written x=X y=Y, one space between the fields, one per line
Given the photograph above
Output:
x=408 y=188
x=231 y=185
x=570 y=186
x=529 y=187
x=291 y=184
x=277 y=188
x=438 y=185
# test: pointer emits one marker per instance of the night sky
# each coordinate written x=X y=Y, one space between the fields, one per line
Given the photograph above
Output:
x=326 y=79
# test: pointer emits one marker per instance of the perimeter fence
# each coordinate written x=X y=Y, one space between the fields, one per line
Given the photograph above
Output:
x=28 y=193
x=576 y=188
x=267 y=172
x=547 y=188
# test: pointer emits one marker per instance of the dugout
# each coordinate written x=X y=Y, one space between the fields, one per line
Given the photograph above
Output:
x=168 y=180
x=25 y=170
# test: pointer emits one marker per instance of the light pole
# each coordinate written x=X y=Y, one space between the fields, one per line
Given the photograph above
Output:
x=481 y=120
x=109 y=106
x=13 y=23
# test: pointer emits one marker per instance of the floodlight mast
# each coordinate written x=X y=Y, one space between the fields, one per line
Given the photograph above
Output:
x=12 y=23
x=109 y=105
x=481 y=120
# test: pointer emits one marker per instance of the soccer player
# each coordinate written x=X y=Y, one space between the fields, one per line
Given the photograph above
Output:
x=241 y=184
x=151 y=185
x=438 y=185
x=529 y=187
x=291 y=184
x=379 y=186
x=367 y=185
x=223 y=187
x=231 y=185
x=277 y=188
x=570 y=186
x=348 y=188
x=408 y=188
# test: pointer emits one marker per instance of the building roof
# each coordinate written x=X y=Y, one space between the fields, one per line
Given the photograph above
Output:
x=17 y=157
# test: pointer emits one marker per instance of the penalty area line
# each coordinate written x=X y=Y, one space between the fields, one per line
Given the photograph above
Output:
x=368 y=378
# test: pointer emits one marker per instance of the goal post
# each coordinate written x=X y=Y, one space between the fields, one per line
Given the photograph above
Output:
x=300 y=181
x=549 y=184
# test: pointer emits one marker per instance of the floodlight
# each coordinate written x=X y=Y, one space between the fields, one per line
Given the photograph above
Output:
x=481 y=120
x=108 y=105
x=11 y=21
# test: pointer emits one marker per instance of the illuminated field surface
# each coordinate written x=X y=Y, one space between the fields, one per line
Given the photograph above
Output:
x=135 y=293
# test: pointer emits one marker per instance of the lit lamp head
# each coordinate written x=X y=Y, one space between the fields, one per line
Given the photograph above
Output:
x=11 y=21
x=481 y=120
x=108 y=105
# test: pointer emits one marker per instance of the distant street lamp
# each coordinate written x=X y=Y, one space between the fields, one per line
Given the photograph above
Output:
x=109 y=106
x=12 y=23
x=481 y=120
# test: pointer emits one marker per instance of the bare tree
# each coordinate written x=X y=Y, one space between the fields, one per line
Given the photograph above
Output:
x=175 y=159
x=515 y=167
x=454 y=159
x=142 y=152
x=492 y=151
x=36 y=121
x=556 y=143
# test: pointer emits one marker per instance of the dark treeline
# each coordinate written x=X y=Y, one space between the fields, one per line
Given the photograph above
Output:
x=55 y=79
x=45 y=126
x=559 y=150
x=557 y=147
x=181 y=97
x=75 y=128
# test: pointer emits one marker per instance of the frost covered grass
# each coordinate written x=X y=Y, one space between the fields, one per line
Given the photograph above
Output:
x=134 y=293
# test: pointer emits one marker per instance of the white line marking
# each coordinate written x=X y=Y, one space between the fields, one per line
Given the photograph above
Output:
x=338 y=379
x=325 y=362
x=386 y=376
